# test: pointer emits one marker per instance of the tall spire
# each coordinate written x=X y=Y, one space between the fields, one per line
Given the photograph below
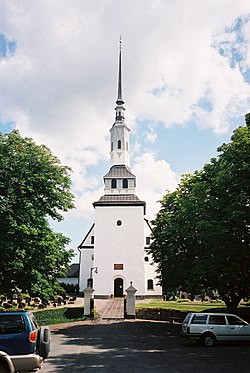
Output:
x=119 y=96
x=119 y=102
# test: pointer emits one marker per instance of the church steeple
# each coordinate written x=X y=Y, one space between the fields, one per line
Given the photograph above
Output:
x=119 y=133
x=119 y=179
x=119 y=102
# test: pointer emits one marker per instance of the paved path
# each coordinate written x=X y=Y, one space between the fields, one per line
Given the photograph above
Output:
x=110 y=309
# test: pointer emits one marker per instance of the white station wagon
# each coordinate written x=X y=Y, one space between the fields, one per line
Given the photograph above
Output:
x=207 y=328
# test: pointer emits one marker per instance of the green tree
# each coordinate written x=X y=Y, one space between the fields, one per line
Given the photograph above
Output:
x=202 y=230
x=34 y=187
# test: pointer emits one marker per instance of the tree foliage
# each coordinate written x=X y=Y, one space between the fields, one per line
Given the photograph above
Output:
x=34 y=186
x=201 y=233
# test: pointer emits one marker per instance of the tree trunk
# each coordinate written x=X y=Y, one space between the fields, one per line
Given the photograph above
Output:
x=231 y=302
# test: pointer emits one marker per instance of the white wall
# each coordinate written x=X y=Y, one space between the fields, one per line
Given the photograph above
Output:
x=150 y=269
x=122 y=244
x=86 y=263
x=150 y=274
x=86 y=259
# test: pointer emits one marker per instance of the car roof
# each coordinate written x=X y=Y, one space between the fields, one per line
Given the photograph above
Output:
x=213 y=313
x=15 y=312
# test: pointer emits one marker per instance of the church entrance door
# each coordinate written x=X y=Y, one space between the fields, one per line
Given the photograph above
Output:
x=118 y=287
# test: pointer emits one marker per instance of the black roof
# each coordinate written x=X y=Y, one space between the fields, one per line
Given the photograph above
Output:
x=120 y=200
x=73 y=270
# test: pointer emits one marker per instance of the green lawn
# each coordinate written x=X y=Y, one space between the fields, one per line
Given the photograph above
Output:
x=182 y=306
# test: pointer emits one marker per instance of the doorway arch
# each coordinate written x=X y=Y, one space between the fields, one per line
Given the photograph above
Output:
x=118 y=287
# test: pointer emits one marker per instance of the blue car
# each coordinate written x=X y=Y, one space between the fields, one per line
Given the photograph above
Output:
x=23 y=341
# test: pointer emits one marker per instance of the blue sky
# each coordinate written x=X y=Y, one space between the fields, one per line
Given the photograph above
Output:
x=186 y=86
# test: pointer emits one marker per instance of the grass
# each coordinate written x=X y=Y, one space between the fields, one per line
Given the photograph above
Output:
x=243 y=310
x=183 y=306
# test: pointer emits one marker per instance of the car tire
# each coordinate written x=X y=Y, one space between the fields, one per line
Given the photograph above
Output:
x=208 y=339
x=4 y=368
x=43 y=342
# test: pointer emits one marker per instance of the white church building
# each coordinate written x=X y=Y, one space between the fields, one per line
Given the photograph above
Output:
x=114 y=251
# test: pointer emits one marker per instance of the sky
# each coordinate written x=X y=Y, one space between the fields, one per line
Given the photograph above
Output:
x=186 y=87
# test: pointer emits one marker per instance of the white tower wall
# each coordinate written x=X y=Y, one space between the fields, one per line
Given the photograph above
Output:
x=119 y=244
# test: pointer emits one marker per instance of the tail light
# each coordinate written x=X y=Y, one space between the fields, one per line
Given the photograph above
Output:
x=33 y=336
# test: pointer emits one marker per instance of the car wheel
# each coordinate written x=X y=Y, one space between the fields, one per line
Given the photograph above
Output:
x=208 y=339
x=43 y=342
x=4 y=368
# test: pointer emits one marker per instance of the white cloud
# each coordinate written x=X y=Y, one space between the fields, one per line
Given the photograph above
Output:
x=154 y=179
x=60 y=86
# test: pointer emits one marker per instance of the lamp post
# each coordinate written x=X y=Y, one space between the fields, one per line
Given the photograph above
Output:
x=90 y=279
x=88 y=295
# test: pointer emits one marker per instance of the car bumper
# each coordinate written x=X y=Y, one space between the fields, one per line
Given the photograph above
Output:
x=189 y=336
x=4 y=358
x=26 y=362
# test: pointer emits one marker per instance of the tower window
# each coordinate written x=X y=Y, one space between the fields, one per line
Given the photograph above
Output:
x=150 y=285
x=112 y=145
x=125 y=183
x=147 y=240
x=119 y=144
x=92 y=240
x=113 y=183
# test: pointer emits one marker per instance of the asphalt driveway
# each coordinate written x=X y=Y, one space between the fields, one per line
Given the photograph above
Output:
x=138 y=346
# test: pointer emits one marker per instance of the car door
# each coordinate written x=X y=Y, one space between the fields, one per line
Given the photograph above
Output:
x=239 y=330
x=197 y=324
x=217 y=324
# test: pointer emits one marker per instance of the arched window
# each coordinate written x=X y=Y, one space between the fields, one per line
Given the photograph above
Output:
x=113 y=183
x=125 y=183
x=150 y=285
x=119 y=144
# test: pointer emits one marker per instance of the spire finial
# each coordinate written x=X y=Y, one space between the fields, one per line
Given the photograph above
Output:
x=119 y=96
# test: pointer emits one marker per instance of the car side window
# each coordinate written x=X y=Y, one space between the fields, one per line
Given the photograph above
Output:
x=217 y=320
x=11 y=324
x=232 y=320
x=199 y=319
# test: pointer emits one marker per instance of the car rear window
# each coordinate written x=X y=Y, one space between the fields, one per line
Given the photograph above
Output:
x=11 y=324
x=187 y=318
x=217 y=320
x=199 y=319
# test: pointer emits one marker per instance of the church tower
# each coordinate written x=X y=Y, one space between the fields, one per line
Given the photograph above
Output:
x=113 y=253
